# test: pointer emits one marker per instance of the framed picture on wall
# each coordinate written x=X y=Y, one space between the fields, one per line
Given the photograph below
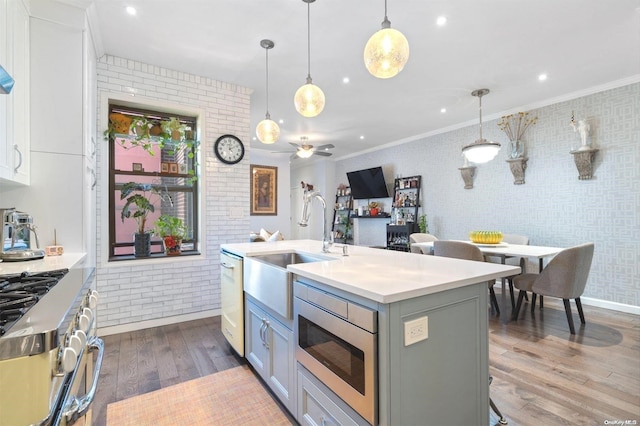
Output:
x=164 y=167
x=264 y=190
x=173 y=167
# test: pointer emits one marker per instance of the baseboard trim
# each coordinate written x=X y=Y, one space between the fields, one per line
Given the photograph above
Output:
x=141 y=325
x=614 y=306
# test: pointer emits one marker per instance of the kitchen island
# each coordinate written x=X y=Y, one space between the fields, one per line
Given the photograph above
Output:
x=442 y=377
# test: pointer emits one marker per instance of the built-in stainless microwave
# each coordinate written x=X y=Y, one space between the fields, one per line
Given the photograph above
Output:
x=336 y=340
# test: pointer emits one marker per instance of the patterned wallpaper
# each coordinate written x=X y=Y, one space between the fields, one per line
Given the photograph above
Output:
x=553 y=207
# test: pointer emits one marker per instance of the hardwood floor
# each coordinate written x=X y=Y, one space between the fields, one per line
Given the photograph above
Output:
x=146 y=360
x=541 y=374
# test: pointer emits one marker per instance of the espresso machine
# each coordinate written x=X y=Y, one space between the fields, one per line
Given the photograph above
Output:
x=17 y=228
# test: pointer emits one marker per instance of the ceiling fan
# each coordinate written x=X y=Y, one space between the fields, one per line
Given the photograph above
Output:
x=305 y=150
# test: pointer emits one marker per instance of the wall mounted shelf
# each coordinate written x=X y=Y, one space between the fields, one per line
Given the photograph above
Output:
x=583 y=158
x=518 y=166
x=468 y=172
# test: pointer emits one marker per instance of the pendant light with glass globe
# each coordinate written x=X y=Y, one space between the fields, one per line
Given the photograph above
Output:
x=387 y=51
x=482 y=150
x=267 y=130
x=309 y=98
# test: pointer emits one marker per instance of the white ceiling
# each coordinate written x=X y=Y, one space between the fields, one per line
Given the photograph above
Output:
x=502 y=45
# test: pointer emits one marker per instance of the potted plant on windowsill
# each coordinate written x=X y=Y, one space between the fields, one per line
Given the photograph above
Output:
x=138 y=205
x=172 y=231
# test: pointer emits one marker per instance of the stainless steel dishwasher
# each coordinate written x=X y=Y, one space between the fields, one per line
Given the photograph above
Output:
x=232 y=300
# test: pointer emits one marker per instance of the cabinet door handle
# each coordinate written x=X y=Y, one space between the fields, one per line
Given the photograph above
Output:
x=17 y=149
x=226 y=265
x=266 y=336
x=95 y=179
x=263 y=328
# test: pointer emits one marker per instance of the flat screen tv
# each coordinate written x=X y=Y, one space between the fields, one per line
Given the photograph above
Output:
x=367 y=184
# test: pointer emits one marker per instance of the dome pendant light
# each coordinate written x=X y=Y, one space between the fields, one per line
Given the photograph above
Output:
x=387 y=51
x=267 y=130
x=482 y=150
x=309 y=99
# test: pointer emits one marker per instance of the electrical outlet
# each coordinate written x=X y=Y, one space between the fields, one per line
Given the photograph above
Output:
x=416 y=330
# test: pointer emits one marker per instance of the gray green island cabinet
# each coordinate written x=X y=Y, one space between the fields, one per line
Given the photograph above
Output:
x=376 y=337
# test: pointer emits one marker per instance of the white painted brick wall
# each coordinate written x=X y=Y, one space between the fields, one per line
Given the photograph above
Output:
x=134 y=291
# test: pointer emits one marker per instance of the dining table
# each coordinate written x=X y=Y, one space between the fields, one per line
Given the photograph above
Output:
x=504 y=251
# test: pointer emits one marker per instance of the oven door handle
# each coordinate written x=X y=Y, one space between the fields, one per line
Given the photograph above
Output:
x=79 y=406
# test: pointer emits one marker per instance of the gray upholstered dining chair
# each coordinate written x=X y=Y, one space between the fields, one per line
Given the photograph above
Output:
x=521 y=240
x=565 y=277
x=421 y=237
x=462 y=250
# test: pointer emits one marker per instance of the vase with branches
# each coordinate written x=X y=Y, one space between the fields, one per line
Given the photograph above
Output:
x=515 y=126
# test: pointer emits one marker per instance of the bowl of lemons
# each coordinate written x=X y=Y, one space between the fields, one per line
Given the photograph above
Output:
x=485 y=237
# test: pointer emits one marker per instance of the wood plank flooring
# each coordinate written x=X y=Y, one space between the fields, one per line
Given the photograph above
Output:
x=146 y=360
x=541 y=374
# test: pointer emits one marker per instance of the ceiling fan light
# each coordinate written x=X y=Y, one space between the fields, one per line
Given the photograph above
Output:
x=268 y=131
x=481 y=151
x=304 y=153
x=309 y=100
x=386 y=53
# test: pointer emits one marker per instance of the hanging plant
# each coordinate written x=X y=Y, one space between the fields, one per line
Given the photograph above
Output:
x=140 y=133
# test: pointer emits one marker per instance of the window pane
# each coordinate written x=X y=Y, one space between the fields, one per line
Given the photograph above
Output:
x=165 y=171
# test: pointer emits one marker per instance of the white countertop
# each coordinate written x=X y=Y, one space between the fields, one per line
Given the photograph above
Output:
x=384 y=276
x=48 y=263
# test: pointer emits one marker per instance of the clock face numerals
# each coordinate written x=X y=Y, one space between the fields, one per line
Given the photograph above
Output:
x=229 y=149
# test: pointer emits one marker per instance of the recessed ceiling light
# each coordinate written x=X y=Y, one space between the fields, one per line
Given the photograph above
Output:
x=443 y=110
x=361 y=137
x=345 y=80
x=281 y=121
x=542 y=77
x=441 y=21
x=131 y=10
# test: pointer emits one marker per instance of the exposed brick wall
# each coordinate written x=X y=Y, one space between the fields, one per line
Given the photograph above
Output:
x=144 y=290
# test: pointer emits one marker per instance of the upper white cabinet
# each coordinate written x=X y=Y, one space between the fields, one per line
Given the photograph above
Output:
x=58 y=119
x=56 y=87
x=14 y=107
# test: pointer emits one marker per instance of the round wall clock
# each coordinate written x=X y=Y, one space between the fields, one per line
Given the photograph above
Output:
x=229 y=149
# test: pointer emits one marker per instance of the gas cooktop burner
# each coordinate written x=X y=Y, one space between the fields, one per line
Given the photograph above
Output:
x=20 y=292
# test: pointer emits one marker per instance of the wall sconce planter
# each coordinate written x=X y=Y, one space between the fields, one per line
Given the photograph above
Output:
x=468 y=172
x=518 y=166
x=583 y=158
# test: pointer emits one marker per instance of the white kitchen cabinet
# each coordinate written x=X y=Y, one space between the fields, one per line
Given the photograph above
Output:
x=89 y=135
x=269 y=347
x=14 y=107
x=57 y=87
x=62 y=120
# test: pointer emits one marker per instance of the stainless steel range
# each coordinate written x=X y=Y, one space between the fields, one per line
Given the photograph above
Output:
x=47 y=342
